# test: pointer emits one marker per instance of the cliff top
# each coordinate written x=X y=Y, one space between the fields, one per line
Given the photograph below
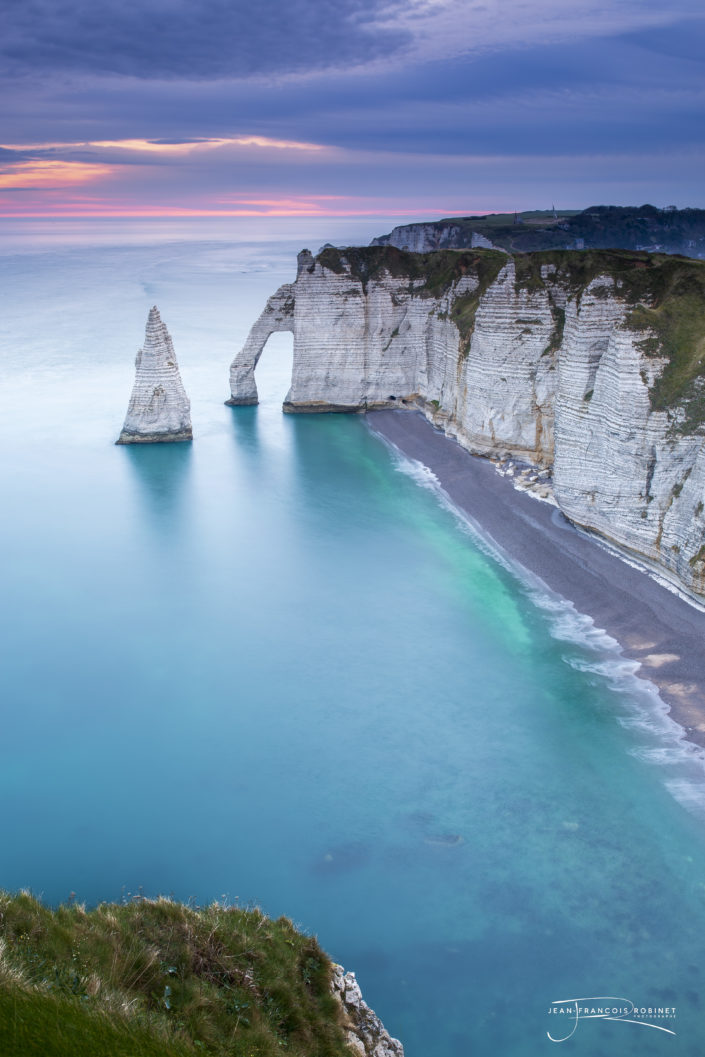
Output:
x=156 y=978
x=437 y=270
x=639 y=276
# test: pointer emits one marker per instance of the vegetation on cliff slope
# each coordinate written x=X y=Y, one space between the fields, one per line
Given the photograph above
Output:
x=667 y=295
x=155 y=978
x=674 y=325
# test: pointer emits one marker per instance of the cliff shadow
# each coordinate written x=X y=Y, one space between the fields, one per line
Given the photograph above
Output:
x=161 y=472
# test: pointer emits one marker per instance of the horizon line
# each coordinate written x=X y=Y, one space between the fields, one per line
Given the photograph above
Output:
x=245 y=213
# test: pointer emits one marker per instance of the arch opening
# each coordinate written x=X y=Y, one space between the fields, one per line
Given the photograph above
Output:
x=274 y=368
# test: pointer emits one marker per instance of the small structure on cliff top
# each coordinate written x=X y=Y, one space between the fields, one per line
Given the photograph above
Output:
x=159 y=409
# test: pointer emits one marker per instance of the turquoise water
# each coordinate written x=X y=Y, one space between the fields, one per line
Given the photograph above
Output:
x=272 y=667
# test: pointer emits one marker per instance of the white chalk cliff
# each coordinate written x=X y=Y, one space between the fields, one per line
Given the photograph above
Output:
x=159 y=409
x=425 y=238
x=548 y=358
x=365 y=1033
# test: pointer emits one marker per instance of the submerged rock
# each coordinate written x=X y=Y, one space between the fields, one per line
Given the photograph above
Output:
x=159 y=409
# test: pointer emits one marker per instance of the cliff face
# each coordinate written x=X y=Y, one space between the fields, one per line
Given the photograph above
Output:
x=621 y=468
x=425 y=238
x=585 y=364
x=159 y=409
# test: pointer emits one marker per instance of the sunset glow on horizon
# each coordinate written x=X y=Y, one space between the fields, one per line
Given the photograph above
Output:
x=39 y=169
x=140 y=178
x=71 y=210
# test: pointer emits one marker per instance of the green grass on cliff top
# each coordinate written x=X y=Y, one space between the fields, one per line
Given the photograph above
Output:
x=666 y=294
x=155 y=978
x=438 y=269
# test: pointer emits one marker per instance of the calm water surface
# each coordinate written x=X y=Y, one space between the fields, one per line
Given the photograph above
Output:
x=270 y=666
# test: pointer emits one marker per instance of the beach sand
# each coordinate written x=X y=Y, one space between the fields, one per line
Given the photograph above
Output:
x=653 y=625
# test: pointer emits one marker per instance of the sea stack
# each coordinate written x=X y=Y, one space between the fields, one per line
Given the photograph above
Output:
x=159 y=409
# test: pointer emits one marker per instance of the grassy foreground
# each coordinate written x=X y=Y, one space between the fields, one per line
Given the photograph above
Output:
x=156 y=978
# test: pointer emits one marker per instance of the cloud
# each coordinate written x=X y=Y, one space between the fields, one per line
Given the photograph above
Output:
x=543 y=90
x=49 y=174
x=195 y=39
x=150 y=148
x=447 y=28
x=682 y=40
x=230 y=39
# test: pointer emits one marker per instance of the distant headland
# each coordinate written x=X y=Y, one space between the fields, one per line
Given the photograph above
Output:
x=639 y=228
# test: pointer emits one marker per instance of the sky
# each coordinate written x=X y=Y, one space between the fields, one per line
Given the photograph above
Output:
x=408 y=108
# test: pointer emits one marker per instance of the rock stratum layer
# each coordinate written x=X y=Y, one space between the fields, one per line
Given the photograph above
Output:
x=587 y=364
x=159 y=409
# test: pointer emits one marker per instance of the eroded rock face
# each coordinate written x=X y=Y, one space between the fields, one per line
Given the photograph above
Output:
x=159 y=409
x=424 y=238
x=620 y=468
x=366 y=1034
x=543 y=366
x=499 y=394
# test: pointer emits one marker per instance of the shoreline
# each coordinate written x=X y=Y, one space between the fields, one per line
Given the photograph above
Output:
x=653 y=625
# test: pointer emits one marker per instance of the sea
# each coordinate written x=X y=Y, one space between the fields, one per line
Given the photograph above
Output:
x=276 y=667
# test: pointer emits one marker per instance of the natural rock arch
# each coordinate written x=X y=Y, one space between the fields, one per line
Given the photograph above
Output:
x=278 y=316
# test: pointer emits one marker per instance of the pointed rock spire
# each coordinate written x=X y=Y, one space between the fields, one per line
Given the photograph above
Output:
x=159 y=409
